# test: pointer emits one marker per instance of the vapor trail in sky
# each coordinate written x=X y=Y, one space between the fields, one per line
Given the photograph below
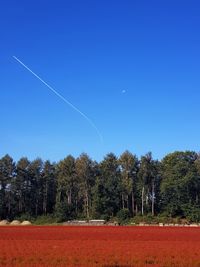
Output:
x=62 y=98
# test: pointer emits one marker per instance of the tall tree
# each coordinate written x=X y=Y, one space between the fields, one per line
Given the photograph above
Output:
x=129 y=168
x=66 y=198
x=36 y=195
x=22 y=186
x=197 y=181
x=180 y=182
x=85 y=177
x=108 y=190
x=49 y=187
x=7 y=173
x=147 y=175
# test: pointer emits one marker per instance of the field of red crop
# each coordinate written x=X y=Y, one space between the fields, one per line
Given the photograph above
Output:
x=99 y=246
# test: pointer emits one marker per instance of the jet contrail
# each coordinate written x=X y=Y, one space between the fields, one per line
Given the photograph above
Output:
x=62 y=98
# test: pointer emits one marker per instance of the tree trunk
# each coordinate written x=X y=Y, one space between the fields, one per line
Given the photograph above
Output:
x=197 y=199
x=36 y=208
x=87 y=205
x=147 y=197
x=9 y=202
x=45 y=200
x=136 y=209
x=20 y=201
x=122 y=201
x=76 y=205
x=142 y=200
x=152 y=201
x=133 y=203
x=44 y=205
x=69 y=197
x=127 y=202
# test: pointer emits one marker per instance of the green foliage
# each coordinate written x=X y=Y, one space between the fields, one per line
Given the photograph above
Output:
x=64 y=212
x=192 y=212
x=45 y=220
x=108 y=187
x=129 y=165
x=7 y=174
x=148 y=184
x=148 y=219
x=161 y=218
x=168 y=190
x=180 y=182
x=123 y=216
x=24 y=217
x=85 y=171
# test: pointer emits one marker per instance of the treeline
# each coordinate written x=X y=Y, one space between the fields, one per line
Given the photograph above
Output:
x=82 y=188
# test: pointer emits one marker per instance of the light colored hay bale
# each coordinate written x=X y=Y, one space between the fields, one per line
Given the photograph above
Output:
x=81 y=222
x=75 y=222
x=4 y=222
x=15 y=222
x=26 y=223
x=193 y=225
x=161 y=224
x=97 y=222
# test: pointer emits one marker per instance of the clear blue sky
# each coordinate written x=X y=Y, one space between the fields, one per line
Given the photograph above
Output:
x=90 y=51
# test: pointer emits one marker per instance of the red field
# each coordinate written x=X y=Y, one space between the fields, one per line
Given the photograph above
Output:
x=99 y=246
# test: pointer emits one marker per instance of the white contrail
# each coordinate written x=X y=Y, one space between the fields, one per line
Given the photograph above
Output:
x=63 y=98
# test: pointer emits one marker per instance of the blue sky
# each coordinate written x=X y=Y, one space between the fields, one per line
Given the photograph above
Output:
x=90 y=51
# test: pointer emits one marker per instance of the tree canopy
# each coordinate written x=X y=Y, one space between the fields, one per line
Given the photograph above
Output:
x=82 y=188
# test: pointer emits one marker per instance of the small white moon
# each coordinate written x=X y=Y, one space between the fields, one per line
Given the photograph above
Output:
x=123 y=91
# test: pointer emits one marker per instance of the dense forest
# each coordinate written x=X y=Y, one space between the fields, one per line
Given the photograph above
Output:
x=82 y=188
